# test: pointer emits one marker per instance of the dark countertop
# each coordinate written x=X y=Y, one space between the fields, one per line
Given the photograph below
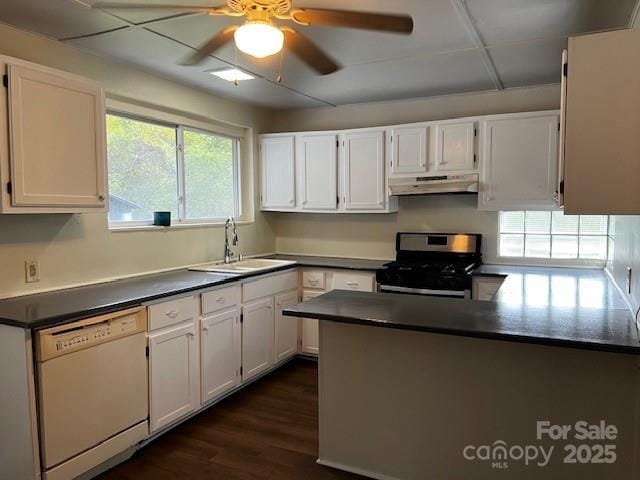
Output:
x=63 y=306
x=333 y=262
x=603 y=329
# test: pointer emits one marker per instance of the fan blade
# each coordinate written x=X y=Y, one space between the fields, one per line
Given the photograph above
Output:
x=223 y=37
x=154 y=6
x=308 y=52
x=349 y=19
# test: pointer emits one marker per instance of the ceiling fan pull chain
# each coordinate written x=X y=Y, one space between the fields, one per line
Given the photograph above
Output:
x=279 y=78
x=236 y=82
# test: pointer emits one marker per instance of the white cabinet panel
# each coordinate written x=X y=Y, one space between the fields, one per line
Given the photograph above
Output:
x=519 y=155
x=257 y=337
x=56 y=140
x=317 y=159
x=220 y=353
x=310 y=330
x=454 y=147
x=286 y=328
x=277 y=162
x=173 y=374
x=364 y=179
x=409 y=150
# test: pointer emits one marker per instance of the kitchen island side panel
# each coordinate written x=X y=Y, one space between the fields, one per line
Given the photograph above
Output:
x=404 y=404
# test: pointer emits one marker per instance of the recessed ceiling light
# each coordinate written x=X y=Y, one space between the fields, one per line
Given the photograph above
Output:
x=232 y=75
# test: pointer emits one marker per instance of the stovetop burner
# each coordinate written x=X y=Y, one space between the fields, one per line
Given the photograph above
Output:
x=432 y=262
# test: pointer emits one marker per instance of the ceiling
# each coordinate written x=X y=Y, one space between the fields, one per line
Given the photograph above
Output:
x=457 y=46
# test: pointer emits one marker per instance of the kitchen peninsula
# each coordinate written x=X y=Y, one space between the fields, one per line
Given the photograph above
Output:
x=419 y=387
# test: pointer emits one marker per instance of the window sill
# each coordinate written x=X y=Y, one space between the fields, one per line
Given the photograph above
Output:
x=176 y=226
x=549 y=262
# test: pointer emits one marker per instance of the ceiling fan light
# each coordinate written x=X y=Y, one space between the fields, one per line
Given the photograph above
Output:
x=259 y=39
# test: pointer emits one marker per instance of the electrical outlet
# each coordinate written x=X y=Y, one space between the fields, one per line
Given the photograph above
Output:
x=32 y=271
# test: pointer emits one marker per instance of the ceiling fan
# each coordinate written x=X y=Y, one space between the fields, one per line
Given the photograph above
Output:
x=260 y=37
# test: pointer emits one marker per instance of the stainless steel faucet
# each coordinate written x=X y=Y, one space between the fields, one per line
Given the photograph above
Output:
x=228 y=253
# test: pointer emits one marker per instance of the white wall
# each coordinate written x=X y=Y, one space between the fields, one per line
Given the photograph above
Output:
x=373 y=235
x=78 y=249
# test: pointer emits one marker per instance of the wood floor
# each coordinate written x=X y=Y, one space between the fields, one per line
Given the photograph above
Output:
x=269 y=430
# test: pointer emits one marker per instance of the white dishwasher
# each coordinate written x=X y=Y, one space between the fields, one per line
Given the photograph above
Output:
x=92 y=391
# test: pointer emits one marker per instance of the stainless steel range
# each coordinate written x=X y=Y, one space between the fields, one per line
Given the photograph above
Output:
x=438 y=264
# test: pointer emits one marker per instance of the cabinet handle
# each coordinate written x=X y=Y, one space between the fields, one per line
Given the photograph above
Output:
x=172 y=314
x=191 y=334
x=270 y=307
x=353 y=284
x=313 y=282
x=221 y=299
x=205 y=329
x=101 y=198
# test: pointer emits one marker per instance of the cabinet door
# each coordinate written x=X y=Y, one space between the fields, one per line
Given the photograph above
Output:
x=277 y=162
x=364 y=171
x=519 y=156
x=257 y=337
x=602 y=124
x=454 y=147
x=173 y=374
x=220 y=353
x=286 y=328
x=310 y=329
x=57 y=139
x=409 y=150
x=317 y=156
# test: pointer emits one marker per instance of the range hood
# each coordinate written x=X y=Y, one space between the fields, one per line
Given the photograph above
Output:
x=428 y=185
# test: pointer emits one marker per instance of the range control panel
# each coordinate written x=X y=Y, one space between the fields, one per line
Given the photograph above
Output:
x=88 y=333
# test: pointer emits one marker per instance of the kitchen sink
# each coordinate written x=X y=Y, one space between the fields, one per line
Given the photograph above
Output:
x=249 y=265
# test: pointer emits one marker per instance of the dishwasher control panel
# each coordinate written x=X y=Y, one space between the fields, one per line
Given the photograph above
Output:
x=90 y=332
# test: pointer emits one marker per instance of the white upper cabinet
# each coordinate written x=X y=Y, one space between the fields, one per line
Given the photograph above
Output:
x=318 y=163
x=454 y=147
x=364 y=179
x=519 y=157
x=409 y=150
x=602 y=124
x=277 y=160
x=53 y=141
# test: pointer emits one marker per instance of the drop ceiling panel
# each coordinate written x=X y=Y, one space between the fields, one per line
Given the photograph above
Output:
x=141 y=16
x=159 y=55
x=56 y=18
x=517 y=20
x=533 y=63
x=402 y=78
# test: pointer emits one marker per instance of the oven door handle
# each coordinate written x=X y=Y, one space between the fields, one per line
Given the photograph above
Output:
x=423 y=291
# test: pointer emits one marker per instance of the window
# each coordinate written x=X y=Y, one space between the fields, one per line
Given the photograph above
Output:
x=533 y=234
x=161 y=167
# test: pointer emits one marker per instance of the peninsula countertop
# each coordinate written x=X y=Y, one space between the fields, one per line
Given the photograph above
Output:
x=577 y=308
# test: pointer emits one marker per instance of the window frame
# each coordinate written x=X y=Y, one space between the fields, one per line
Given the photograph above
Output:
x=181 y=199
x=551 y=261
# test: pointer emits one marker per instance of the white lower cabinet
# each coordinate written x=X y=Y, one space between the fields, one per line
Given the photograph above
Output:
x=310 y=331
x=257 y=337
x=286 y=328
x=220 y=347
x=174 y=374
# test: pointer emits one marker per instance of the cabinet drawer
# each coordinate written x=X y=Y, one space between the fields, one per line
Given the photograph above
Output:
x=220 y=299
x=313 y=279
x=172 y=312
x=362 y=282
x=270 y=285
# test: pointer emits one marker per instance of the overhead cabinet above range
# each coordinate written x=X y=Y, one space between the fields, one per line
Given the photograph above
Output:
x=52 y=141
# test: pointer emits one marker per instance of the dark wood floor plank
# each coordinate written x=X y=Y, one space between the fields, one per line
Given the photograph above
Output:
x=267 y=431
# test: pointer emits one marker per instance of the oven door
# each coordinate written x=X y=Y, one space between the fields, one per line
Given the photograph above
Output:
x=424 y=291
